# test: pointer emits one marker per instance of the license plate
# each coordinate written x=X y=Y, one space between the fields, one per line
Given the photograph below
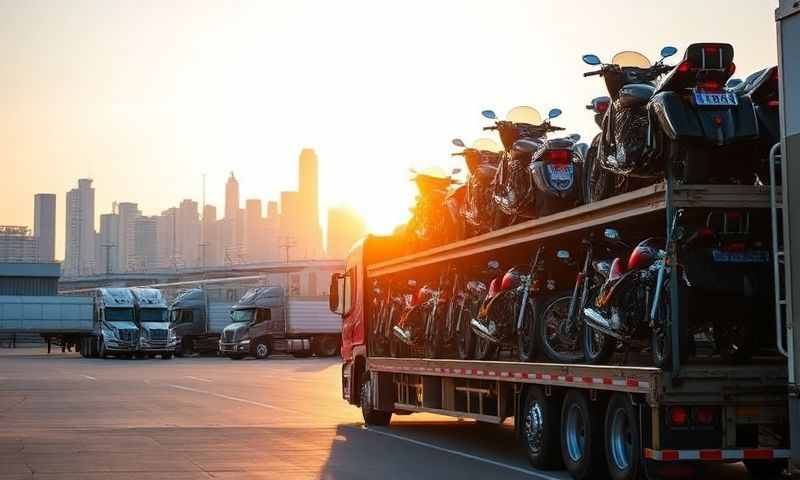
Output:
x=560 y=172
x=751 y=256
x=726 y=99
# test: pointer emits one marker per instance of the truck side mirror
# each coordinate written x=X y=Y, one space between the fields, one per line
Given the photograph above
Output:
x=333 y=294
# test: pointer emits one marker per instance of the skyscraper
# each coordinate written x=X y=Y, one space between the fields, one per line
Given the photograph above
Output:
x=79 y=254
x=232 y=224
x=128 y=213
x=107 y=258
x=309 y=242
x=232 y=197
x=254 y=231
x=145 y=244
x=44 y=225
x=345 y=227
x=188 y=232
x=210 y=246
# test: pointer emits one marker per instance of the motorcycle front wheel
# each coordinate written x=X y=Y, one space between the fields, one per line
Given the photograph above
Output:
x=433 y=337
x=526 y=338
x=558 y=345
x=661 y=341
x=465 y=339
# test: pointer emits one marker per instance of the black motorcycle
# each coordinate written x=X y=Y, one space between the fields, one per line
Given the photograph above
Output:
x=762 y=89
x=599 y=106
x=557 y=170
x=471 y=205
x=465 y=299
x=690 y=121
x=522 y=133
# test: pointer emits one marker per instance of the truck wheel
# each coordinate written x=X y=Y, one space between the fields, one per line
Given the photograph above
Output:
x=371 y=416
x=765 y=468
x=623 y=452
x=263 y=349
x=581 y=437
x=540 y=429
x=326 y=346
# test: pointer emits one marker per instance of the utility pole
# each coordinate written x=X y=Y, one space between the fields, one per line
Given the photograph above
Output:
x=203 y=242
x=287 y=243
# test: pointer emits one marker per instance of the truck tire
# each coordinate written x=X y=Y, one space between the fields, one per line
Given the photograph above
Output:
x=371 y=416
x=581 y=437
x=623 y=452
x=326 y=345
x=263 y=349
x=540 y=432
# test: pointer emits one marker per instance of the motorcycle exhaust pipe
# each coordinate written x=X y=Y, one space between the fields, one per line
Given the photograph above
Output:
x=403 y=335
x=481 y=330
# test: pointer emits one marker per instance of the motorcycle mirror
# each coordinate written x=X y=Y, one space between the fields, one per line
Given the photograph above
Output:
x=563 y=255
x=611 y=233
x=493 y=265
x=668 y=52
x=489 y=114
x=591 y=59
x=459 y=143
x=575 y=137
x=554 y=113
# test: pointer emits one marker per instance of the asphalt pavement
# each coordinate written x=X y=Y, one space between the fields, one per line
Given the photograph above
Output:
x=67 y=417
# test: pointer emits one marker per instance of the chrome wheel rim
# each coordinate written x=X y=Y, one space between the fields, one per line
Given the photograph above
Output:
x=261 y=350
x=575 y=434
x=534 y=428
x=620 y=440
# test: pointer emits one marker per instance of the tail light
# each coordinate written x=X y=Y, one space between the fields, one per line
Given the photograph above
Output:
x=710 y=86
x=559 y=157
x=601 y=107
x=731 y=69
x=678 y=417
x=711 y=50
x=704 y=415
x=685 y=67
x=774 y=103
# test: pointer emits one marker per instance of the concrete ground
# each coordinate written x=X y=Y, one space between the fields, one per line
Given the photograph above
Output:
x=67 y=417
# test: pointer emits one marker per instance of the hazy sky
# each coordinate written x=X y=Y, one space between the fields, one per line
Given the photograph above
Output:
x=145 y=97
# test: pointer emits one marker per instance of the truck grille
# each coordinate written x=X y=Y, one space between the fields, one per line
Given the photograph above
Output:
x=129 y=336
x=158 y=336
x=227 y=336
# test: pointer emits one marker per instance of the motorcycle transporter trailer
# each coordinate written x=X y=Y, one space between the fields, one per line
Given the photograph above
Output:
x=665 y=421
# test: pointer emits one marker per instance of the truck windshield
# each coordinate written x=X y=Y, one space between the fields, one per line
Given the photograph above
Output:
x=119 y=314
x=242 y=315
x=153 y=315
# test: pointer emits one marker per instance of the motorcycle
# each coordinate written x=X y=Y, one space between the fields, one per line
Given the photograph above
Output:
x=556 y=169
x=471 y=205
x=379 y=306
x=599 y=106
x=762 y=89
x=413 y=331
x=506 y=318
x=691 y=121
x=438 y=337
x=398 y=300
x=430 y=222
x=522 y=133
x=464 y=304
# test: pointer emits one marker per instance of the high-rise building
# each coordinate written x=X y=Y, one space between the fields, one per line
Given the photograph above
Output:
x=232 y=225
x=232 y=197
x=309 y=241
x=126 y=249
x=289 y=229
x=272 y=232
x=79 y=254
x=44 y=225
x=210 y=247
x=345 y=227
x=166 y=227
x=254 y=231
x=188 y=232
x=107 y=258
x=145 y=244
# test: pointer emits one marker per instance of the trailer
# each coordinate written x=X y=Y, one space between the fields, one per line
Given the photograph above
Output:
x=198 y=322
x=621 y=419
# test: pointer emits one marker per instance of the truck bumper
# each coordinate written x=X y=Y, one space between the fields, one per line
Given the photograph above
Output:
x=228 y=348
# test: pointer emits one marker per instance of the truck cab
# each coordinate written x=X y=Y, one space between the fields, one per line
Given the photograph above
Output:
x=152 y=318
x=117 y=332
x=255 y=319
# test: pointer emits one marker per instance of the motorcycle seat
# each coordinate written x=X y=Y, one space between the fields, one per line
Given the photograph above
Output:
x=525 y=146
x=636 y=94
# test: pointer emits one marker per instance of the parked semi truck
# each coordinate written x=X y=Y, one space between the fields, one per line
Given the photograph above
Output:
x=265 y=320
x=197 y=322
x=152 y=317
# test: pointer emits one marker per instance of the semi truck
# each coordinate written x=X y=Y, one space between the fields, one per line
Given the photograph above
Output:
x=266 y=320
x=152 y=317
x=618 y=419
x=114 y=331
x=198 y=322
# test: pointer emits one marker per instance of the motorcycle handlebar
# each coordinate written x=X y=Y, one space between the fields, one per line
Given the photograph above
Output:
x=596 y=72
x=490 y=128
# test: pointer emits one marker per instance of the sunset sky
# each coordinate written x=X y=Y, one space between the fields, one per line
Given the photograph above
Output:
x=144 y=97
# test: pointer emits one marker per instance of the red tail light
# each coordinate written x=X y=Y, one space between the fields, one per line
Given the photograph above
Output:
x=774 y=103
x=557 y=156
x=602 y=106
x=678 y=417
x=711 y=50
x=704 y=415
x=731 y=69
x=685 y=67
x=710 y=86
x=735 y=247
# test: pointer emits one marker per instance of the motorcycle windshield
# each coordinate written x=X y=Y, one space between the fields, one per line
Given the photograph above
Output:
x=524 y=114
x=631 y=59
x=486 y=145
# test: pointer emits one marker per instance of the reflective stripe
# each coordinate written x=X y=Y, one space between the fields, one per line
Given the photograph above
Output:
x=716 y=454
